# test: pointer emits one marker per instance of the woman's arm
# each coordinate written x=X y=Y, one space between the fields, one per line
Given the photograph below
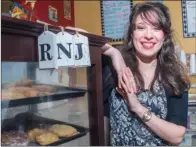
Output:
x=172 y=129
x=117 y=62
x=117 y=59
x=166 y=130
x=120 y=67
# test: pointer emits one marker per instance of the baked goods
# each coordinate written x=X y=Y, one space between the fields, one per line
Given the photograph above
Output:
x=63 y=130
x=19 y=92
x=46 y=138
x=7 y=94
x=23 y=83
x=27 y=91
x=27 y=82
x=32 y=93
x=14 y=138
x=44 y=88
x=33 y=133
x=8 y=85
x=22 y=89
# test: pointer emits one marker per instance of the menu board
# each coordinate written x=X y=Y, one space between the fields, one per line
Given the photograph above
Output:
x=189 y=18
x=115 y=18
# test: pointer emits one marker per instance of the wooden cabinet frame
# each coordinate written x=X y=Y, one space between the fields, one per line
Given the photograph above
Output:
x=19 y=44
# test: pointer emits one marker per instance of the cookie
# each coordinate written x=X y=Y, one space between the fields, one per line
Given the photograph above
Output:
x=44 y=88
x=63 y=130
x=46 y=138
x=27 y=82
x=7 y=94
x=33 y=133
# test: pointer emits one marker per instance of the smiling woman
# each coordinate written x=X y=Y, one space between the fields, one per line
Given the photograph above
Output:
x=149 y=103
x=149 y=106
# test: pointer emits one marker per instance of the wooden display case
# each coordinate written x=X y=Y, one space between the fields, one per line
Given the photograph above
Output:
x=19 y=44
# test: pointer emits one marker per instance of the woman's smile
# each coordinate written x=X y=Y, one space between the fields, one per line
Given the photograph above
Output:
x=148 y=45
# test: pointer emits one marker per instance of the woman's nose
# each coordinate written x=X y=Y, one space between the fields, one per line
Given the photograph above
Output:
x=148 y=34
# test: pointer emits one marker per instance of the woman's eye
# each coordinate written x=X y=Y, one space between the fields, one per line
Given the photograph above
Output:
x=140 y=28
x=157 y=29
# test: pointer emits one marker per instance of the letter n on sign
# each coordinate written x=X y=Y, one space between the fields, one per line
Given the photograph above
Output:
x=65 y=50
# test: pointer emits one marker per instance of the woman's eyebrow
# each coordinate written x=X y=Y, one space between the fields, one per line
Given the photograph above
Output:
x=140 y=23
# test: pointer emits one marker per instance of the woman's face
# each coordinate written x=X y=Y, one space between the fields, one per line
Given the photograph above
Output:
x=147 y=39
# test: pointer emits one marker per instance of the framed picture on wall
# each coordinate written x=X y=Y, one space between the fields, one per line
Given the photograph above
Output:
x=189 y=18
x=67 y=9
x=52 y=14
x=115 y=18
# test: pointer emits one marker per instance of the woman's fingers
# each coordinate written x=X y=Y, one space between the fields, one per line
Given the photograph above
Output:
x=119 y=79
x=121 y=92
x=130 y=79
x=127 y=82
x=133 y=81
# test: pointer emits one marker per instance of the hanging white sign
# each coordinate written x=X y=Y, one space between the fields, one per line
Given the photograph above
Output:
x=63 y=49
x=47 y=49
x=81 y=50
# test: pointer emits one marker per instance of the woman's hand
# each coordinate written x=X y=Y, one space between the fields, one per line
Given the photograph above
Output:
x=128 y=82
x=131 y=99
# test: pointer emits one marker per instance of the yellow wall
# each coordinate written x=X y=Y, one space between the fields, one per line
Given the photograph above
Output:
x=188 y=44
x=88 y=17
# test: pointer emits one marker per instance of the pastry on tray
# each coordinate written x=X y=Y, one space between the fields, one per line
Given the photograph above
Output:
x=33 y=133
x=46 y=138
x=26 y=82
x=44 y=88
x=32 y=93
x=8 y=85
x=20 y=89
x=63 y=130
x=7 y=94
x=19 y=92
x=14 y=138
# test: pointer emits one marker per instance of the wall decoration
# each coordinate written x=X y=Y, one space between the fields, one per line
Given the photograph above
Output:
x=52 y=14
x=24 y=9
x=115 y=18
x=38 y=10
x=18 y=11
x=189 y=18
x=67 y=9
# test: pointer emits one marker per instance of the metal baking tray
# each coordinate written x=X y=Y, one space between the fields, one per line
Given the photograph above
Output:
x=26 y=121
x=61 y=92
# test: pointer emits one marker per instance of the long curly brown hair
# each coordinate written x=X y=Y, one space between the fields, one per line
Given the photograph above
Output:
x=172 y=72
